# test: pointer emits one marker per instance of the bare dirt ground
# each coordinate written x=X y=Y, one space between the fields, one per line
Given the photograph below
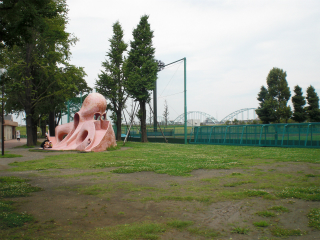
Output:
x=71 y=211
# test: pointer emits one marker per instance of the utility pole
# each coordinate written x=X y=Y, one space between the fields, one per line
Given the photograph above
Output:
x=2 y=71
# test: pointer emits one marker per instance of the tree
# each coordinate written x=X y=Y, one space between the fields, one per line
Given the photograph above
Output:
x=313 y=110
x=166 y=112
x=37 y=84
x=19 y=18
x=263 y=111
x=141 y=69
x=111 y=80
x=273 y=100
x=298 y=101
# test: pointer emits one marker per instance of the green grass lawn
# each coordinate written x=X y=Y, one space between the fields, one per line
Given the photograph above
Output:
x=173 y=159
x=256 y=172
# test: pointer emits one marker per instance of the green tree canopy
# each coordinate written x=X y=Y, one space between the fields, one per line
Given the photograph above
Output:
x=273 y=103
x=264 y=111
x=40 y=77
x=111 y=80
x=298 y=101
x=313 y=102
x=141 y=69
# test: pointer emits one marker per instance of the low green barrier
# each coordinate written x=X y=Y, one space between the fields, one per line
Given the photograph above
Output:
x=273 y=135
x=173 y=134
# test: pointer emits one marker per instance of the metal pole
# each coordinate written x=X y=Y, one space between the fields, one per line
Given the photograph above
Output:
x=2 y=71
x=185 y=101
x=155 y=110
x=68 y=111
x=2 y=133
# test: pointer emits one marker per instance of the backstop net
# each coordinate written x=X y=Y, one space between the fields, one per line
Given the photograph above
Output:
x=169 y=108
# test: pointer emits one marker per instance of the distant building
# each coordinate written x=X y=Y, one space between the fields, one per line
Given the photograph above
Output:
x=193 y=122
x=9 y=128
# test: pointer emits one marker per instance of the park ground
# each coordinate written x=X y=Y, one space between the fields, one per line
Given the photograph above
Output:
x=165 y=191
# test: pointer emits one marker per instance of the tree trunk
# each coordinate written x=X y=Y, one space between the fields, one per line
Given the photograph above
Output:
x=29 y=126
x=43 y=128
x=143 y=122
x=52 y=123
x=34 y=133
x=118 y=124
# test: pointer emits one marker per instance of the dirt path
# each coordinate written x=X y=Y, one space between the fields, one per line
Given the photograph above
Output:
x=76 y=201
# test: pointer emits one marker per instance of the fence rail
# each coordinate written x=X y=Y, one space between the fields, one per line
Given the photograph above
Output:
x=273 y=135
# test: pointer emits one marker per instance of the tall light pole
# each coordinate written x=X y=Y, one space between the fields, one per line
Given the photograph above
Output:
x=2 y=72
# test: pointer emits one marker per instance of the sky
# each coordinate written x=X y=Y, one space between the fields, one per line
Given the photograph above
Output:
x=229 y=46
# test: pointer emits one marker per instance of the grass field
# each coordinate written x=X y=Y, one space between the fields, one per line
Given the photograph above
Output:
x=168 y=191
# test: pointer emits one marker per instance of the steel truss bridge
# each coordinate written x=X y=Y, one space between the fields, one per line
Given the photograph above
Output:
x=207 y=118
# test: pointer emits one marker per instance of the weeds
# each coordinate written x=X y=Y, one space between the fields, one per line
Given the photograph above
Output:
x=279 y=209
x=310 y=175
x=261 y=224
x=9 y=219
x=240 y=230
x=144 y=230
x=179 y=224
x=179 y=160
x=314 y=218
x=305 y=193
x=9 y=155
x=15 y=187
x=235 y=184
x=283 y=232
x=205 y=232
x=265 y=214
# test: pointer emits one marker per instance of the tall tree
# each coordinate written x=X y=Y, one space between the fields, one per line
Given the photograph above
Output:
x=313 y=110
x=166 y=112
x=275 y=101
x=264 y=111
x=35 y=78
x=298 y=101
x=279 y=91
x=111 y=80
x=19 y=18
x=141 y=69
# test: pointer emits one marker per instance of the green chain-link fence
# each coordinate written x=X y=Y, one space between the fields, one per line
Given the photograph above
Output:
x=173 y=134
x=273 y=135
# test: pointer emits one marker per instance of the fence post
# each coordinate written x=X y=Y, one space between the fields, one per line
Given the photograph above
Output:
x=210 y=134
x=261 y=134
x=284 y=129
x=242 y=134
x=225 y=135
x=196 y=138
x=305 y=144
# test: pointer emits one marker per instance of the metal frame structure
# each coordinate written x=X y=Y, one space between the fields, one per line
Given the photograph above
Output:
x=235 y=113
x=185 y=100
x=201 y=114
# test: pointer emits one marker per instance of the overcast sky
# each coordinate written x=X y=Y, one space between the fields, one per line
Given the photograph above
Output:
x=230 y=46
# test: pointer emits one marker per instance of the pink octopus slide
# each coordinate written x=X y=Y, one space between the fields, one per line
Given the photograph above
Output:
x=90 y=130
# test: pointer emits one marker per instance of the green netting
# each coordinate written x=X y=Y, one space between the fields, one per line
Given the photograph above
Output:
x=174 y=134
x=273 y=135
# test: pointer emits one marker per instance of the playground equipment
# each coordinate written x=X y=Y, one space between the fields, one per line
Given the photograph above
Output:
x=90 y=130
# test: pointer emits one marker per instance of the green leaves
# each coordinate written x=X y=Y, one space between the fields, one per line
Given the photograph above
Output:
x=298 y=101
x=313 y=110
x=141 y=67
x=273 y=101
x=111 y=80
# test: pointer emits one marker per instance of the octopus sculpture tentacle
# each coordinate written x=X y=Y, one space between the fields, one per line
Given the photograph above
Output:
x=90 y=130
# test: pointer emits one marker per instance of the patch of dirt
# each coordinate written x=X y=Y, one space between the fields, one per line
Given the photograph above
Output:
x=63 y=203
